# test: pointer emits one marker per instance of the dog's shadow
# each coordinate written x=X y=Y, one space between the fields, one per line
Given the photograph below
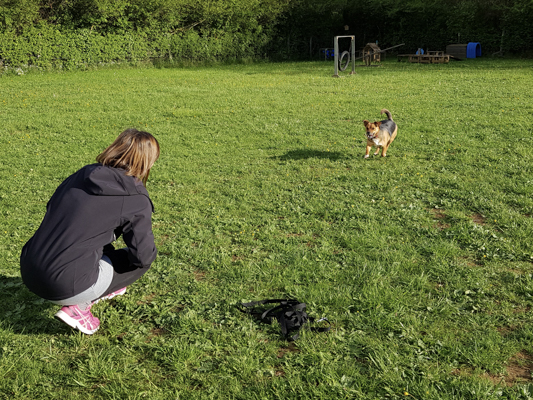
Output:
x=303 y=154
x=22 y=312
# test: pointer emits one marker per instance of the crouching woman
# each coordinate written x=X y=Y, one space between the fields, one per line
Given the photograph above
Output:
x=70 y=260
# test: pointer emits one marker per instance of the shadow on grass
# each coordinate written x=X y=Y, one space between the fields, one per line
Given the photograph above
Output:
x=308 y=153
x=22 y=312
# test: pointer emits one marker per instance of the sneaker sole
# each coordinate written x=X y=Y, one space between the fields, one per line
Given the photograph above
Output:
x=110 y=296
x=67 y=319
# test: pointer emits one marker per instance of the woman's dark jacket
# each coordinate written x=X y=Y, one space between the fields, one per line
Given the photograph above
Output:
x=61 y=259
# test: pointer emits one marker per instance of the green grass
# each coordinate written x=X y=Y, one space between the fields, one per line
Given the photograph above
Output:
x=422 y=261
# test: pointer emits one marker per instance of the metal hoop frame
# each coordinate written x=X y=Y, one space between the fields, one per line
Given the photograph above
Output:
x=352 y=55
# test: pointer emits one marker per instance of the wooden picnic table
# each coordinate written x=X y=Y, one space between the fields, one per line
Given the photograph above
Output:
x=431 y=57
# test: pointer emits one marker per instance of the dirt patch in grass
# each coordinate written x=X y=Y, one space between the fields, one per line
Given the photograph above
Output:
x=519 y=368
x=312 y=243
x=279 y=372
x=471 y=262
x=439 y=216
x=478 y=219
x=147 y=299
x=235 y=258
x=158 y=332
x=514 y=271
x=198 y=275
x=506 y=330
x=163 y=239
x=456 y=372
x=518 y=371
x=441 y=226
x=291 y=348
x=437 y=213
x=521 y=310
x=155 y=332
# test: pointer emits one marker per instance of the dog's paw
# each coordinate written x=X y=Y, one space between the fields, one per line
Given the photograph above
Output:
x=366 y=156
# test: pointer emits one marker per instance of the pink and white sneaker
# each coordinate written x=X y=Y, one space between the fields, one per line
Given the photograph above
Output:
x=119 y=292
x=79 y=319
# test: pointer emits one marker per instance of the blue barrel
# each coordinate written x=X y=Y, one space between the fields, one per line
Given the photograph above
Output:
x=473 y=50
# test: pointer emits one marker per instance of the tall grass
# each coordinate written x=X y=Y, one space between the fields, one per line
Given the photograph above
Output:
x=422 y=261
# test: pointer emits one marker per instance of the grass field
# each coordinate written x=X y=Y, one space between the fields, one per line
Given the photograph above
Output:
x=422 y=261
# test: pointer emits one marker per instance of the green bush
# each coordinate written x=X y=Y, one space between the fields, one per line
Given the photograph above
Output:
x=45 y=46
x=79 y=33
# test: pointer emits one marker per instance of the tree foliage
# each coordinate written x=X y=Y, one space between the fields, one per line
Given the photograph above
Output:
x=433 y=24
x=229 y=29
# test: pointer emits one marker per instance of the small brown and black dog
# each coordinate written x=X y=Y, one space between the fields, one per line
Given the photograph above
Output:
x=380 y=134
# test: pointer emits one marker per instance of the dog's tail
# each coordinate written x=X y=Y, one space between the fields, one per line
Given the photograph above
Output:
x=385 y=111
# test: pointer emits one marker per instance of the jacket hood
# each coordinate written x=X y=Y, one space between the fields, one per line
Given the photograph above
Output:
x=101 y=180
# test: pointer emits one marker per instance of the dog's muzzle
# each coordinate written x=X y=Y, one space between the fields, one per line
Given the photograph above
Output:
x=370 y=135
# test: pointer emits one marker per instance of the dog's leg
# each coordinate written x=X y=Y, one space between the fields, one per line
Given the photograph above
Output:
x=384 y=152
x=393 y=136
x=377 y=150
x=368 y=147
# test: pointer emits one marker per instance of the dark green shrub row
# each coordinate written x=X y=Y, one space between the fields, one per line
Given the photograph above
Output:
x=47 y=47
x=70 y=33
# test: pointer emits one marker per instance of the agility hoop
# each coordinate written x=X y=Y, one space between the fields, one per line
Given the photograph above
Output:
x=345 y=58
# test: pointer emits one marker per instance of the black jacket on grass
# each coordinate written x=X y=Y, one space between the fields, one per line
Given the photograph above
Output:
x=86 y=210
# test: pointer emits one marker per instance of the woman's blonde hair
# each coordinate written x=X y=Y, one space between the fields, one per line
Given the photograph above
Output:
x=134 y=151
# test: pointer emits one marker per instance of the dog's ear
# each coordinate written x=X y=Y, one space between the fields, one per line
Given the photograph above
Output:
x=378 y=124
x=366 y=122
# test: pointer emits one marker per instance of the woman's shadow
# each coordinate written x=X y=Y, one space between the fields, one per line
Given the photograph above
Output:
x=22 y=312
